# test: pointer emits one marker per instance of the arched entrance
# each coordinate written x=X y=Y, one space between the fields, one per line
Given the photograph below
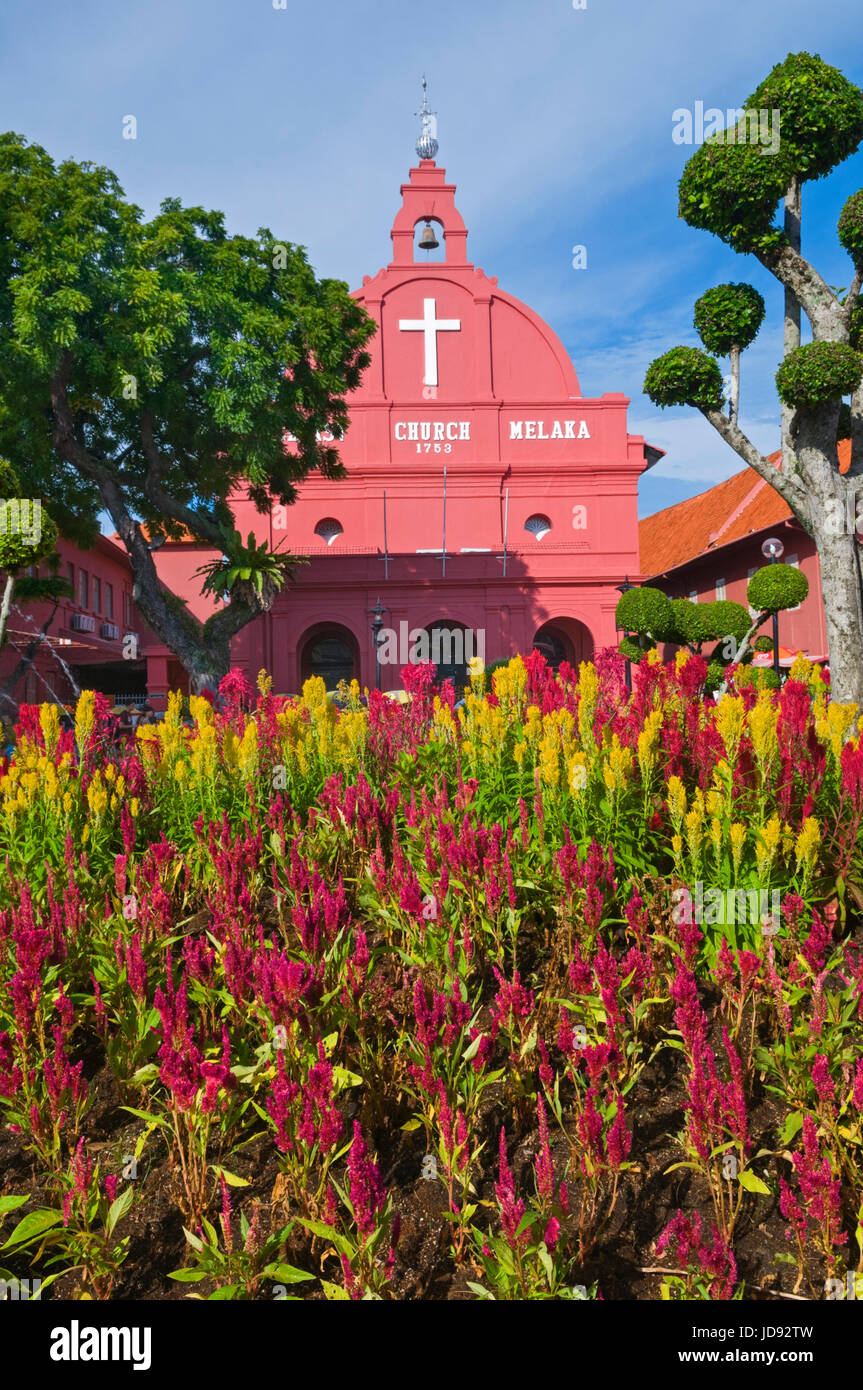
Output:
x=329 y=651
x=450 y=648
x=564 y=639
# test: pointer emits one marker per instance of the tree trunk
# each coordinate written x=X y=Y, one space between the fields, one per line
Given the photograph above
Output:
x=791 y=339
x=30 y=653
x=843 y=609
x=734 y=394
x=6 y=607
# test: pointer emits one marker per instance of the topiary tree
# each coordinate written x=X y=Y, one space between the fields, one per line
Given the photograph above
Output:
x=648 y=620
x=776 y=587
x=728 y=319
x=732 y=187
x=644 y=615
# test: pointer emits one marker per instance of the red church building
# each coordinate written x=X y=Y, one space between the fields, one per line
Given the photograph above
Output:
x=488 y=505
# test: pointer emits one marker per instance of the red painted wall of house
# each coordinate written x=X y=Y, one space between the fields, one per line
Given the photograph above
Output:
x=103 y=592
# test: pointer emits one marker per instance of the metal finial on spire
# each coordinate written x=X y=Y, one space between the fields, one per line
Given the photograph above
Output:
x=427 y=146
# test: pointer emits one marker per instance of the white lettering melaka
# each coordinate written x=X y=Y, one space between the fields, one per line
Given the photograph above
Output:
x=538 y=429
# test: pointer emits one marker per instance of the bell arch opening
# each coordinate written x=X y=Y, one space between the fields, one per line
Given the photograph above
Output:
x=426 y=231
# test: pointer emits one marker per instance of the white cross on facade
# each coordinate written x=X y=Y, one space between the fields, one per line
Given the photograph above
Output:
x=430 y=326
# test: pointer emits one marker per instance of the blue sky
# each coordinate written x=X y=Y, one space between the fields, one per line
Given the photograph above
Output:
x=555 y=124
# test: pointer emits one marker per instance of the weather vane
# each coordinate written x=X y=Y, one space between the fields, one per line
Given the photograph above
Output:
x=427 y=146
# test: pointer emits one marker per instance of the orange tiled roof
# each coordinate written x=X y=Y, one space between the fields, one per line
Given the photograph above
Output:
x=742 y=504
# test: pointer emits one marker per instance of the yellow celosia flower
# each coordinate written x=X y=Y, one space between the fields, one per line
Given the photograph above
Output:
x=801 y=669
x=248 y=751
x=676 y=800
x=85 y=716
x=694 y=822
x=647 y=742
x=653 y=657
x=618 y=766
x=588 y=689
x=49 y=722
x=577 y=773
x=728 y=719
x=134 y=807
x=265 y=682
x=762 y=728
x=808 y=843
x=769 y=837
x=839 y=720
x=738 y=840
x=97 y=795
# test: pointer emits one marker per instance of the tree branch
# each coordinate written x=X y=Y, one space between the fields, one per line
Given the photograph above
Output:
x=790 y=489
x=823 y=309
x=194 y=521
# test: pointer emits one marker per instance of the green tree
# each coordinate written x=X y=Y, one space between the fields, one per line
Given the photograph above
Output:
x=153 y=369
x=649 y=616
x=732 y=188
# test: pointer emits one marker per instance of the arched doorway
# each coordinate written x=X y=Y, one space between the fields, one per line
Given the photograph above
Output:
x=450 y=647
x=329 y=651
x=564 y=639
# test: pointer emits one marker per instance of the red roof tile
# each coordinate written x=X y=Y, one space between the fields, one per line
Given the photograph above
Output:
x=742 y=504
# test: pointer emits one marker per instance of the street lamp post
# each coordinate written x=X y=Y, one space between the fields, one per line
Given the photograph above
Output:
x=622 y=589
x=377 y=625
x=773 y=550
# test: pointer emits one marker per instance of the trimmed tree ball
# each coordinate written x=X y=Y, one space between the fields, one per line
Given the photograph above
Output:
x=685 y=376
x=818 y=372
x=775 y=587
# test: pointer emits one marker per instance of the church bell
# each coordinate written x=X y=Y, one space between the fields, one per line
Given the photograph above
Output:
x=428 y=240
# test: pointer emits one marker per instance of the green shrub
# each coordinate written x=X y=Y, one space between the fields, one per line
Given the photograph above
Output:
x=775 y=587
x=685 y=376
x=728 y=316
x=818 y=372
x=642 y=610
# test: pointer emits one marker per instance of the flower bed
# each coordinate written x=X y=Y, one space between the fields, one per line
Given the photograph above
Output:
x=558 y=994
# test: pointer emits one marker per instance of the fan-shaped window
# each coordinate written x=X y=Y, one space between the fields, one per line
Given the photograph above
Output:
x=538 y=525
x=329 y=529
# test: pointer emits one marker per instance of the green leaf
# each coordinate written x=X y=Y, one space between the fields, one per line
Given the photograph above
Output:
x=334 y=1292
x=195 y=1241
x=145 y=1115
x=232 y=1179
x=793 y=1123
x=144 y=1075
x=752 y=1183
x=288 y=1274
x=188 y=1276
x=407 y=1128
x=33 y=1225
x=343 y=1079
x=119 y=1207
x=11 y=1203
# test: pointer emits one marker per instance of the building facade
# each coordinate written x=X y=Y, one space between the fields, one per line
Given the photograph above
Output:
x=97 y=638
x=488 y=505
x=709 y=546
